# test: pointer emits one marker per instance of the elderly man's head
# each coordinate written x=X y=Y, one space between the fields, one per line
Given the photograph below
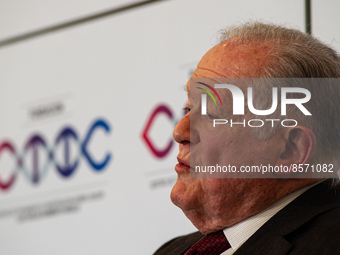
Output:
x=253 y=51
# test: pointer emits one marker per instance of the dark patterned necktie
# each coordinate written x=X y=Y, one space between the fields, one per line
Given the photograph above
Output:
x=211 y=244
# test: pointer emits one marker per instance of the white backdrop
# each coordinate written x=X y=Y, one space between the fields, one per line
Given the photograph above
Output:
x=115 y=71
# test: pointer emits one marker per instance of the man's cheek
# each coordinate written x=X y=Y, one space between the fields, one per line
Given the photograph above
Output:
x=211 y=149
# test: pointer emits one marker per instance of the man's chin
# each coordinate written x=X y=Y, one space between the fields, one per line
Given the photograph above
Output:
x=187 y=201
x=176 y=193
x=182 y=195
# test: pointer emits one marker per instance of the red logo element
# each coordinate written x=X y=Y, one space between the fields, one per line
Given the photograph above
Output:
x=8 y=146
x=161 y=109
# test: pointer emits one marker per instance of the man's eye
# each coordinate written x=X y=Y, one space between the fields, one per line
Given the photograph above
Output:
x=186 y=110
x=211 y=116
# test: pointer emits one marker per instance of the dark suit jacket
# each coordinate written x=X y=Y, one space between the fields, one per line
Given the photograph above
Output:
x=309 y=225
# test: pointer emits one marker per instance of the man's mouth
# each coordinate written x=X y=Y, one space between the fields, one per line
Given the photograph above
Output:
x=182 y=165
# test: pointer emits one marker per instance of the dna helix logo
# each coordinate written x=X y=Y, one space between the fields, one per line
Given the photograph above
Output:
x=66 y=169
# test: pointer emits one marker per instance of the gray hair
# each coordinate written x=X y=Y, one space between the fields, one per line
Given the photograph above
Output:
x=294 y=54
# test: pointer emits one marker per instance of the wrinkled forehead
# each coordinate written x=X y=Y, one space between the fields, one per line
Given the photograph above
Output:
x=231 y=60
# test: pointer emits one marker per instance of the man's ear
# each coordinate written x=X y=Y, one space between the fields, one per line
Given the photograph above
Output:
x=299 y=146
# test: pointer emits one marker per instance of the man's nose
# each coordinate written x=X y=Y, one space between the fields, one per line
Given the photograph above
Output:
x=181 y=132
